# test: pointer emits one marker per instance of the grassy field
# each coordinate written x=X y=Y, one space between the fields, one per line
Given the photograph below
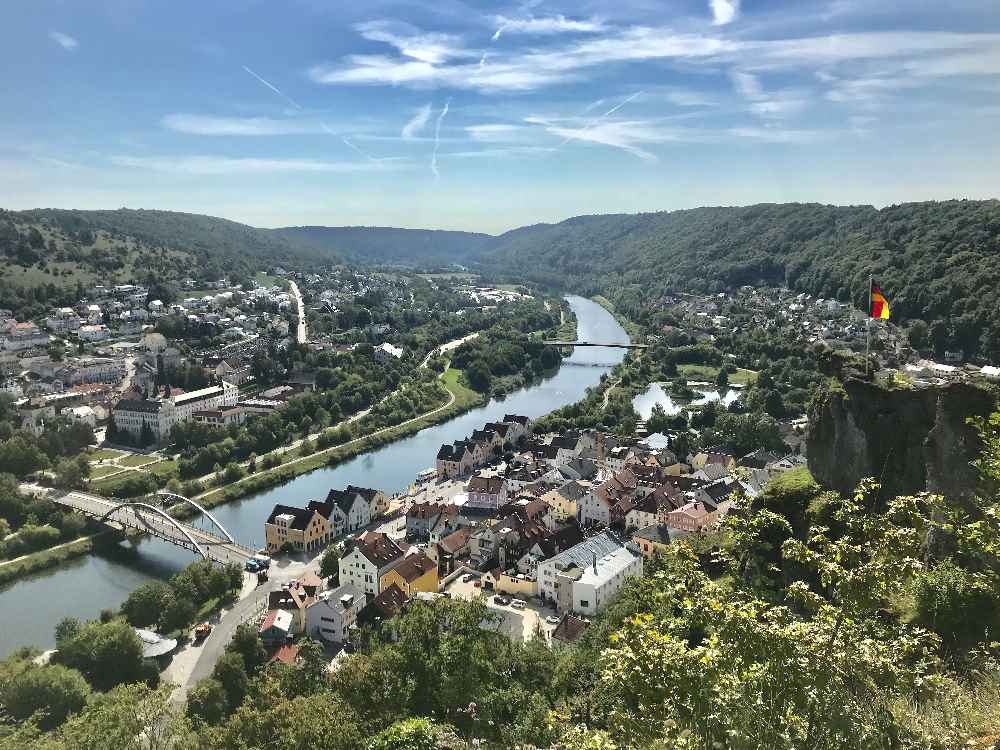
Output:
x=136 y=460
x=99 y=454
x=163 y=468
x=266 y=280
x=709 y=374
x=96 y=472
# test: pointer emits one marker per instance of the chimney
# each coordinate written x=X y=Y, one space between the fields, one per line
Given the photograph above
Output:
x=595 y=563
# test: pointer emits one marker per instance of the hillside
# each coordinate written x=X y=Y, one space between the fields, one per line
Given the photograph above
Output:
x=939 y=262
x=389 y=245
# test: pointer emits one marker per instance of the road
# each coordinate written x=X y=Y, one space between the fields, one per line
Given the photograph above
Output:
x=448 y=347
x=301 y=335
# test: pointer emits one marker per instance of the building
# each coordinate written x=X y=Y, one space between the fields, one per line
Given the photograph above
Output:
x=386 y=353
x=94 y=332
x=655 y=538
x=305 y=530
x=276 y=626
x=576 y=557
x=598 y=583
x=487 y=492
x=333 y=614
x=415 y=573
x=372 y=556
x=162 y=414
x=569 y=631
x=352 y=508
x=23 y=336
x=221 y=417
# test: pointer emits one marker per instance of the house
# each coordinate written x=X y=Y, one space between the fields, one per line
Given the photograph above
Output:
x=694 y=516
x=220 y=417
x=451 y=550
x=346 y=511
x=569 y=631
x=575 y=557
x=386 y=353
x=415 y=573
x=421 y=518
x=287 y=654
x=304 y=529
x=489 y=492
x=372 y=556
x=599 y=583
x=455 y=460
x=295 y=597
x=714 y=456
x=383 y=607
x=549 y=546
x=276 y=626
x=563 y=500
x=759 y=459
x=331 y=616
x=644 y=513
x=655 y=538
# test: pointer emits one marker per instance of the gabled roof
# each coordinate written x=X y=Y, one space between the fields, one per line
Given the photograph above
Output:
x=570 y=629
x=516 y=418
x=379 y=548
x=562 y=539
x=414 y=566
x=384 y=606
x=457 y=540
x=301 y=516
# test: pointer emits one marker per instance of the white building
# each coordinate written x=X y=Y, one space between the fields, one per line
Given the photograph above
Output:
x=83 y=414
x=373 y=556
x=24 y=336
x=63 y=319
x=385 y=353
x=575 y=558
x=334 y=613
x=162 y=414
x=600 y=582
x=96 y=332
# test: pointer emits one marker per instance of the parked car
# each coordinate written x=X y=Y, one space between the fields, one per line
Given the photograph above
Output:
x=552 y=620
x=519 y=604
x=263 y=561
x=467 y=577
x=252 y=565
x=201 y=631
x=501 y=600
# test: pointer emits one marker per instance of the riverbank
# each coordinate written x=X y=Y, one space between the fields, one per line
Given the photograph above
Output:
x=633 y=329
x=35 y=562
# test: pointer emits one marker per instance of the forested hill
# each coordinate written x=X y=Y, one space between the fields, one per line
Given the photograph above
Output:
x=220 y=246
x=390 y=245
x=937 y=261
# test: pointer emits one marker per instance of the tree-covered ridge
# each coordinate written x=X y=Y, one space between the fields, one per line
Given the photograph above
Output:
x=937 y=261
x=389 y=244
x=220 y=247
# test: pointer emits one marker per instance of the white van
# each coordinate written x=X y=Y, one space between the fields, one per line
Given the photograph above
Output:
x=519 y=604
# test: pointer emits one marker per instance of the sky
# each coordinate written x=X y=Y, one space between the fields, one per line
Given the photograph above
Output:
x=485 y=116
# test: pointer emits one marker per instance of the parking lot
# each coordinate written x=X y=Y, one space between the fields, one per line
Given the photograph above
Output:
x=514 y=623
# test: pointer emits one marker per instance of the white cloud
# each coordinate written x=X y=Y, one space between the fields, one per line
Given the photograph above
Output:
x=546 y=26
x=746 y=84
x=64 y=40
x=429 y=60
x=224 y=165
x=494 y=132
x=774 y=104
x=417 y=123
x=250 y=126
x=431 y=48
x=724 y=11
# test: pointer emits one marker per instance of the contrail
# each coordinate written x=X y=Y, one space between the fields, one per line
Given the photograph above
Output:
x=351 y=145
x=437 y=138
x=274 y=88
x=596 y=120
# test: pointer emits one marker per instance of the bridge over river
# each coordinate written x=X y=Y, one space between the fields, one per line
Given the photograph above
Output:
x=149 y=516
x=610 y=345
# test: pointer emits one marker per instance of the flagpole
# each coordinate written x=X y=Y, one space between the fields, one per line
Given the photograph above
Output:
x=868 y=327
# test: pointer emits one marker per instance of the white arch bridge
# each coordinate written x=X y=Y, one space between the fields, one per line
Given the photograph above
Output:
x=149 y=516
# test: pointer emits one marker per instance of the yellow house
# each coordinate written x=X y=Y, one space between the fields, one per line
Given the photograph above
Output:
x=653 y=539
x=563 y=500
x=415 y=573
x=305 y=530
x=713 y=457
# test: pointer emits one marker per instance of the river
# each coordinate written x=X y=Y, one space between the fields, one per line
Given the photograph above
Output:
x=83 y=587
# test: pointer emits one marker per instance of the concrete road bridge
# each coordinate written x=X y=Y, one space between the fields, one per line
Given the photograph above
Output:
x=148 y=515
x=550 y=342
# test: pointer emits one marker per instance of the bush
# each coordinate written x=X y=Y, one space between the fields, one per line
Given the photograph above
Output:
x=54 y=690
x=959 y=605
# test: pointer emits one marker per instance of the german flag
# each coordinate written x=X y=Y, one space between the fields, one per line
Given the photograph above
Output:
x=878 y=305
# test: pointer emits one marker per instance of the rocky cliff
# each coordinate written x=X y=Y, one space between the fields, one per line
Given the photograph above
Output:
x=910 y=439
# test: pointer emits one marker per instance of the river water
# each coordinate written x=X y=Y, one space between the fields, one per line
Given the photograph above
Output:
x=83 y=587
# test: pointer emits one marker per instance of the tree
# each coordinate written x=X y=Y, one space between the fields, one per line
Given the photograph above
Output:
x=107 y=654
x=130 y=717
x=479 y=377
x=178 y=613
x=329 y=564
x=71 y=472
x=207 y=701
x=722 y=381
x=54 y=690
x=145 y=605
x=146 y=436
x=232 y=675
x=20 y=456
x=246 y=642
x=66 y=629
x=918 y=335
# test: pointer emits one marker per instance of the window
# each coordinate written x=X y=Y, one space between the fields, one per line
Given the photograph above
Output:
x=584 y=603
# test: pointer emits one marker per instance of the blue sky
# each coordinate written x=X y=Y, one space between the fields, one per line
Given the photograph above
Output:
x=487 y=116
